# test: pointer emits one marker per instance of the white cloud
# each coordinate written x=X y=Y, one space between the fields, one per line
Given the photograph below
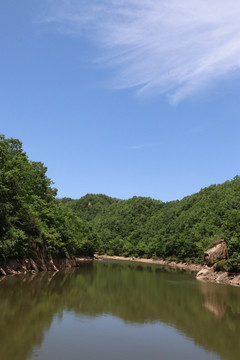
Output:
x=136 y=147
x=175 y=47
x=143 y=146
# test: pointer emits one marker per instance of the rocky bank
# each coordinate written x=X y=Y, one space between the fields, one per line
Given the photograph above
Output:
x=208 y=273
x=38 y=261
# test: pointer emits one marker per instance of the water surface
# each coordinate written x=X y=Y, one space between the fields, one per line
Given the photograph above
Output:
x=118 y=310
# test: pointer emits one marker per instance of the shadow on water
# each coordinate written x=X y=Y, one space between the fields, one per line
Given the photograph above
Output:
x=137 y=293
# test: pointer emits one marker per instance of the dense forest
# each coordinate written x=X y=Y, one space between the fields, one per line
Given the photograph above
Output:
x=176 y=230
x=181 y=230
x=30 y=212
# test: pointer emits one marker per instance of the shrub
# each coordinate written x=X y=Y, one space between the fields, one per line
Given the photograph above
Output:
x=221 y=265
x=234 y=263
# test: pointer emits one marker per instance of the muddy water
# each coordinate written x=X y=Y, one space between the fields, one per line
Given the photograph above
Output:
x=118 y=310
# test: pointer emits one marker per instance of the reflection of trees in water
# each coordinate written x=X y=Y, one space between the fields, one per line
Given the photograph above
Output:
x=134 y=292
x=28 y=305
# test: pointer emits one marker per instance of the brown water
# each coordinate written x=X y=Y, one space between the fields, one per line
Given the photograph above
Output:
x=118 y=311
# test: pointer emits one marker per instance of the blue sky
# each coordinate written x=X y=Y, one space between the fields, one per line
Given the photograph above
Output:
x=141 y=98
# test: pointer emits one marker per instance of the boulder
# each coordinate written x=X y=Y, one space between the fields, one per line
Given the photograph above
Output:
x=204 y=273
x=217 y=252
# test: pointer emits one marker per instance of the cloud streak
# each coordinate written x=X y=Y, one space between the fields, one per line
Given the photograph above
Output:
x=137 y=147
x=173 y=47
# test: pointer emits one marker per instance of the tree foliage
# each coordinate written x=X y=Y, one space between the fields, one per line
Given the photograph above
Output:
x=29 y=211
x=179 y=230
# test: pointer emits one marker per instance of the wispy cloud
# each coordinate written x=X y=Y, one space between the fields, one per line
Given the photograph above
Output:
x=144 y=146
x=136 y=147
x=174 y=47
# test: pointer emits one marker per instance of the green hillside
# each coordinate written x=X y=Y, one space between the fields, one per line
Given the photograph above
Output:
x=179 y=230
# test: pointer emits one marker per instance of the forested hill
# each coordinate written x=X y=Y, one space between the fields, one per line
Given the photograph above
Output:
x=31 y=214
x=84 y=207
x=179 y=230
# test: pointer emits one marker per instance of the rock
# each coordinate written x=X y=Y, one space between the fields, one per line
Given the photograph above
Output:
x=26 y=264
x=51 y=265
x=39 y=256
x=2 y=272
x=33 y=265
x=217 y=252
x=10 y=271
x=63 y=263
x=236 y=280
x=204 y=273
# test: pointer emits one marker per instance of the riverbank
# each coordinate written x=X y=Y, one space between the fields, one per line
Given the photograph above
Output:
x=40 y=262
x=173 y=264
x=222 y=277
x=203 y=273
x=35 y=265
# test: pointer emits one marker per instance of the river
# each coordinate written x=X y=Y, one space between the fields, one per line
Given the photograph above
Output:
x=118 y=310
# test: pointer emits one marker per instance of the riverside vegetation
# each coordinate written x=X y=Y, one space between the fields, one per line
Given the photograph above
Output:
x=141 y=227
x=30 y=212
x=176 y=230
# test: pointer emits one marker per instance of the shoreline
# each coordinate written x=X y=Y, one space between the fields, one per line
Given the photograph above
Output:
x=203 y=272
x=39 y=264
x=174 y=264
x=36 y=264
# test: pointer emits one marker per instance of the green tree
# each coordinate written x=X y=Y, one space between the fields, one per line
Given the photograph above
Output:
x=30 y=212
